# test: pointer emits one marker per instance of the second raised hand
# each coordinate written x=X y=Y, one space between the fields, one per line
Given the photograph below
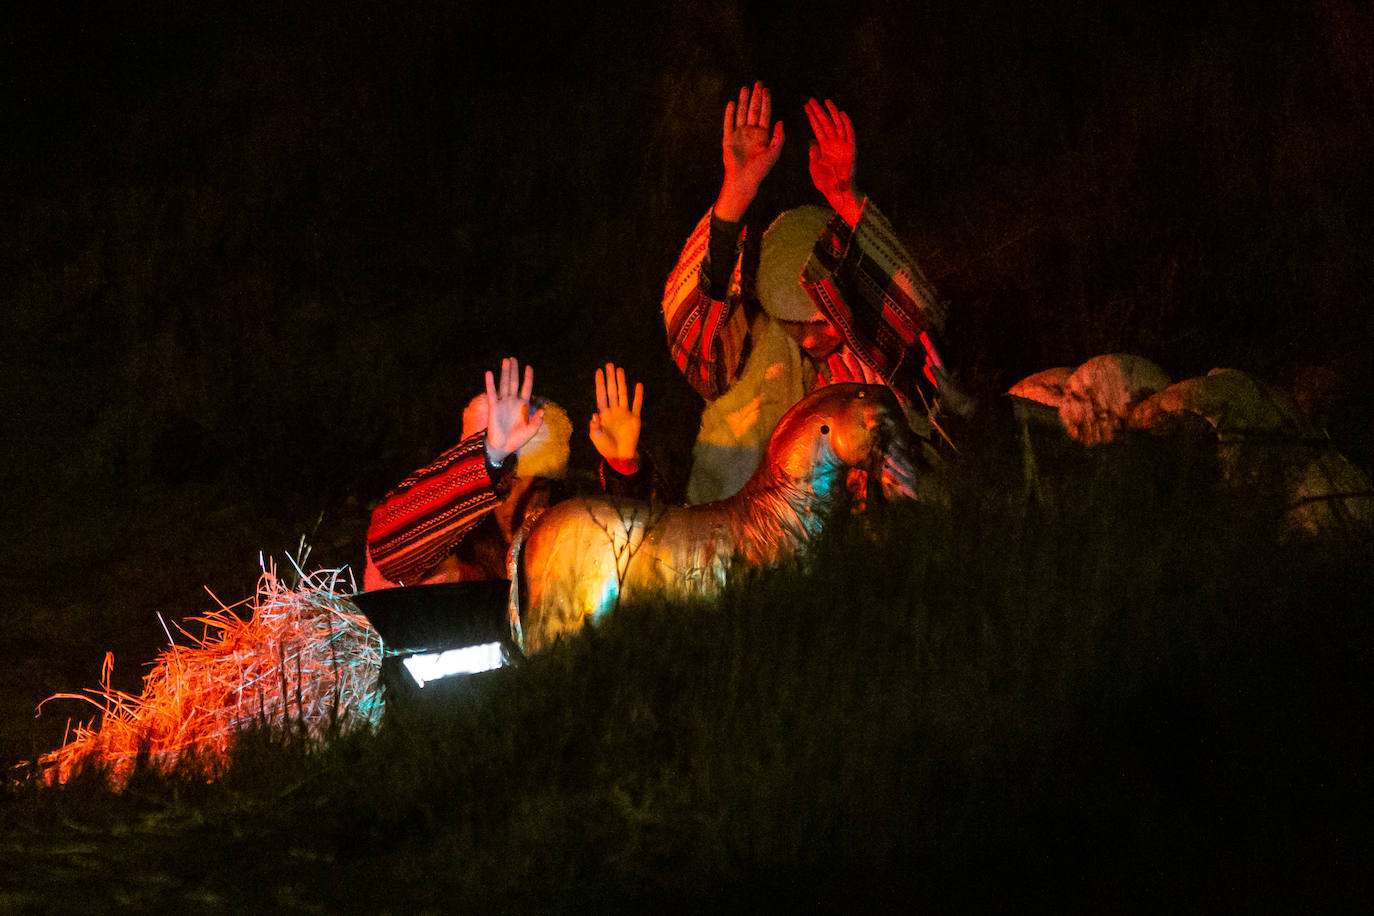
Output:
x=833 y=154
x=615 y=426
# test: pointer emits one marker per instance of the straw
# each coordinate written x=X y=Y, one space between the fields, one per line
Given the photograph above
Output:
x=305 y=662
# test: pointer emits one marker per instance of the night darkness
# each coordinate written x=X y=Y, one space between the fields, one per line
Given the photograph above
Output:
x=256 y=256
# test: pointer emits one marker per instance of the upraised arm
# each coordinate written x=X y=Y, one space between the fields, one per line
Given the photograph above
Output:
x=833 y=153
x=751 y=144
x=429 y=513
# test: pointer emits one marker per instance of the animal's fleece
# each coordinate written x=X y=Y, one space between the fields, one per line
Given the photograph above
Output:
x=583 y=556
x=1262 y=437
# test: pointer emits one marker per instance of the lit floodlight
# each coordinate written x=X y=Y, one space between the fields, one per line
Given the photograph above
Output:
x=431 y=666
x=445 y=632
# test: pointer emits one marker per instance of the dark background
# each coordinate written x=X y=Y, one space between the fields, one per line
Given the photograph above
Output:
x=255 y=256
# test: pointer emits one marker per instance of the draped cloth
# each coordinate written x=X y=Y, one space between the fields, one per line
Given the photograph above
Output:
x=750 y=371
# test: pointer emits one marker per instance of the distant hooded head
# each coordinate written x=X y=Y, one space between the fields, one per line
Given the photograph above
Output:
x=786 y=245
x=546 y=454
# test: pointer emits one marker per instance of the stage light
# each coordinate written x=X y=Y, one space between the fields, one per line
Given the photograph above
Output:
x=431 y=666
x=440 y=633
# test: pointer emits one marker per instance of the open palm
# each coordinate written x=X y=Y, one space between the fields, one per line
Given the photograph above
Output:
x=615 y=425
x=833 y=155
x=510 y=424
x=750 y=144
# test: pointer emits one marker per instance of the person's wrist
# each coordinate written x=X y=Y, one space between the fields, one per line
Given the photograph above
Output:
x=624 y=466
x=498 y=468
x=496 y=456
x=733 y=201
x=849 y=204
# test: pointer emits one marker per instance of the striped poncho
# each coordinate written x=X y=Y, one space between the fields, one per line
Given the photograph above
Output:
x=861 y=279
x=418 y=523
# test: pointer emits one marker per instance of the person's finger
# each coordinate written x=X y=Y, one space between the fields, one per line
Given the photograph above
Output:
x=611 y=399
x=503 y=389
x=729 y=118
x=766 y=112
x=756 y=103
x=834 y=116
x=847 y=127
x=820 y=122
x=820 y=169
x=528 y=387
x=639 y=398
x=742 y=110
x=777 y=141
x=491 y=392
x=622 y=396
x=601 y=404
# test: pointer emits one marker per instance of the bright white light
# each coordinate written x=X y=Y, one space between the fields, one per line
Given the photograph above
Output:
x=468 y=660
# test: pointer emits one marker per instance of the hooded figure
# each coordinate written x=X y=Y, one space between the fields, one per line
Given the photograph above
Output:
x=826 y=304
x=833 y=297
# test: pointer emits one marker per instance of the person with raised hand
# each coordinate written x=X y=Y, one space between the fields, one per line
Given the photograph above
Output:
x=453 y=520
x=832 y=295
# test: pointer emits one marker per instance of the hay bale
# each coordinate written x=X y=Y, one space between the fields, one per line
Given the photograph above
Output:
x=305 y=662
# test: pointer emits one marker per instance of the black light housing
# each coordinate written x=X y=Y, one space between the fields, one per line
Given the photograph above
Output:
x=440 y=633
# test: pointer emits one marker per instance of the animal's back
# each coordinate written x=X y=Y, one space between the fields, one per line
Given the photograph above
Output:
x=584 y=556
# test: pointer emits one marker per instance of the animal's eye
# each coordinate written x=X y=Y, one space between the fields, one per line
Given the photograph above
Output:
x=825 y=430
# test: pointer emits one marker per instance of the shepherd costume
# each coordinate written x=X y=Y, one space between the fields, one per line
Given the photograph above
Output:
x=722 y=315
x=454 y=519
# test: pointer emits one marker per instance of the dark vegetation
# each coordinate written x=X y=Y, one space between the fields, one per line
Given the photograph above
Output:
x=1112 y=695
x=254 y=263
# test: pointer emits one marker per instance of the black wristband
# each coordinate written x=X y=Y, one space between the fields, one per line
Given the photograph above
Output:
x=498 y=472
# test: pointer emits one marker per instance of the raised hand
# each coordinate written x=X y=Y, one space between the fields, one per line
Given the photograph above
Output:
x=751 y=144
x=509 y=421
x=832 y=158
x=615 y=425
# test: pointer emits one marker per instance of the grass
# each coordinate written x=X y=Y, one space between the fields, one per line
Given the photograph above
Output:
x=1124 y=693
